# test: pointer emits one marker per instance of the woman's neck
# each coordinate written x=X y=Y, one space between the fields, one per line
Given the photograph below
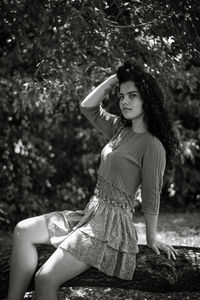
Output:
x=139 y=126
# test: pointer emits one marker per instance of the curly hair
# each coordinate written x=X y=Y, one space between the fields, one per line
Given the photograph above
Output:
x=156 y=114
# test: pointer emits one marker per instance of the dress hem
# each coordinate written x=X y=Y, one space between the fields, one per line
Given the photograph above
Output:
x=93 y=266
x=82 y=257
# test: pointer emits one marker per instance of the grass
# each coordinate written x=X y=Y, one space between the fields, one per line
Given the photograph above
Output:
x=175 y=229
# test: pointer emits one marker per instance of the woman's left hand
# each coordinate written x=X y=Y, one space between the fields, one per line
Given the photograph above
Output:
x=157 y=245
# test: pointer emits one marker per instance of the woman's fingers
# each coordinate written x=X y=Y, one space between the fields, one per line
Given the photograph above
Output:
x=174 y=250
x=173 y=255
x=155 y=249
x=170 y=252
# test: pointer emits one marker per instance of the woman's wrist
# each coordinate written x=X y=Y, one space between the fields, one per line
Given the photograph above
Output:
x=97 y=95
x=109 y=83
x=151 y=239
x=112 y=80
x=151 y=226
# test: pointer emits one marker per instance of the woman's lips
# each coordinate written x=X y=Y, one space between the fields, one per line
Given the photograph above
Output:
x=126 y=108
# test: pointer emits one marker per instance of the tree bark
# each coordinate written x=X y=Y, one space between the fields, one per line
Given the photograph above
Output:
x=154 y=273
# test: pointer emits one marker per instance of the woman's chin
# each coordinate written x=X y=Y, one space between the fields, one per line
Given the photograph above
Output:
x=128 y=116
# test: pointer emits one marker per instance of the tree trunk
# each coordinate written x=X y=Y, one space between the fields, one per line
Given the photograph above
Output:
x=154 y=273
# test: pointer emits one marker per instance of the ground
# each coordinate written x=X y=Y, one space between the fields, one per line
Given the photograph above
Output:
x=175 y=229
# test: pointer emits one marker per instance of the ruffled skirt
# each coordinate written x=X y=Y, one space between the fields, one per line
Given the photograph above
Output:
x=102 y=235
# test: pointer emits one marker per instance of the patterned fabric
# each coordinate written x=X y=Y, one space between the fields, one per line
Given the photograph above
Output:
x=129 y=159
x=103 y=234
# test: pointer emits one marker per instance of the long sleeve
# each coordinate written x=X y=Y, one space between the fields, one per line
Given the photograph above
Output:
x=104 y=121
x=153 y=167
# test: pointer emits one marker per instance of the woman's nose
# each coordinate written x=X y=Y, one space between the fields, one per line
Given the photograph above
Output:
x=125 y=100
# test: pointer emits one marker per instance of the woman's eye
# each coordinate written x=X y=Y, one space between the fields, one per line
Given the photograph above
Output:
x=132 y=96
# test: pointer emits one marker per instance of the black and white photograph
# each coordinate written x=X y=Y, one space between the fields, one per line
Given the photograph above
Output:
x=100 y=150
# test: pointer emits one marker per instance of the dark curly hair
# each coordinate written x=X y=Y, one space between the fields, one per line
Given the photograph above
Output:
x=156 y=114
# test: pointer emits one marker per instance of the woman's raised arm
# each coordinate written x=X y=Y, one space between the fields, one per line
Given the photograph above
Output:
x=91 y=107
x=96 y=96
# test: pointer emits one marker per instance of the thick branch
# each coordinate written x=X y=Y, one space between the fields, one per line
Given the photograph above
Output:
x=154 y=273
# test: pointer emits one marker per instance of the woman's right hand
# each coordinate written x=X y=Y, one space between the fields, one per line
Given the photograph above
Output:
x=96 y=96
x=113 y=80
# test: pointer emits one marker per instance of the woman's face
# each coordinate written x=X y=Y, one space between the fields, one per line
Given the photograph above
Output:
x=130 y=101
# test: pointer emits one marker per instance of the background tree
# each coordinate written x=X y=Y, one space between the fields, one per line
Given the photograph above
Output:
x=52 y=54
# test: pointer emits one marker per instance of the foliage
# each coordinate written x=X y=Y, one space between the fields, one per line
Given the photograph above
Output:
x=52 y=53
x=43 y=152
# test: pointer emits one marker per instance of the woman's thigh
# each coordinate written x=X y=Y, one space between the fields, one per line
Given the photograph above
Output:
x=60 y=267
x=33 y=229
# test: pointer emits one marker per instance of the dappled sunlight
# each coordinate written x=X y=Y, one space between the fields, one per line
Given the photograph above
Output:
x=141 y=232
x=176 y=229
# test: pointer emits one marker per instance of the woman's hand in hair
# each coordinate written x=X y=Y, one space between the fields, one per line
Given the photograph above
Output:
x=111 y=82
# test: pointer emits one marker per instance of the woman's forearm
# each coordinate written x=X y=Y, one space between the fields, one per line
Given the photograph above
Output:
x=151 y=226
x=97 y=95
x=152 y=242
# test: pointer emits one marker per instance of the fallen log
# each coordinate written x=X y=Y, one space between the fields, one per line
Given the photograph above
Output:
x=154 y=273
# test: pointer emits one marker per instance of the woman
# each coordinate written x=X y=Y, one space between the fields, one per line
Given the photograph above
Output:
x=142 y=144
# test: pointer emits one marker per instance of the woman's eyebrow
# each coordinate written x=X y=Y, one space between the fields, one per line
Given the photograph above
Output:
x=128 y=92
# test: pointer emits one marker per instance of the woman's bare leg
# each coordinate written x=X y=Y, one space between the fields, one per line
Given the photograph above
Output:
x=24 y=256
x=60 y=267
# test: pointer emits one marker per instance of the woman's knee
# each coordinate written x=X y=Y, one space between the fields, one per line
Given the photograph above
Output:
x=21 y=230
x=32 y=229
x=44 y=280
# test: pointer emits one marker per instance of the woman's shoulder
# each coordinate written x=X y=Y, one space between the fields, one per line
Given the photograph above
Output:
x=153 y=143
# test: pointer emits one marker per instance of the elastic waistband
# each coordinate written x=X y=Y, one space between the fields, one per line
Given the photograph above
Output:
x=96 y=199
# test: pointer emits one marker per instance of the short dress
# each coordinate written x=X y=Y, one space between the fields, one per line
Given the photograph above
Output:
x=103 y=235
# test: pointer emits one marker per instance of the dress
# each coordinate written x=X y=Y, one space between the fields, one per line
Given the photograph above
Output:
x=103 y=235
